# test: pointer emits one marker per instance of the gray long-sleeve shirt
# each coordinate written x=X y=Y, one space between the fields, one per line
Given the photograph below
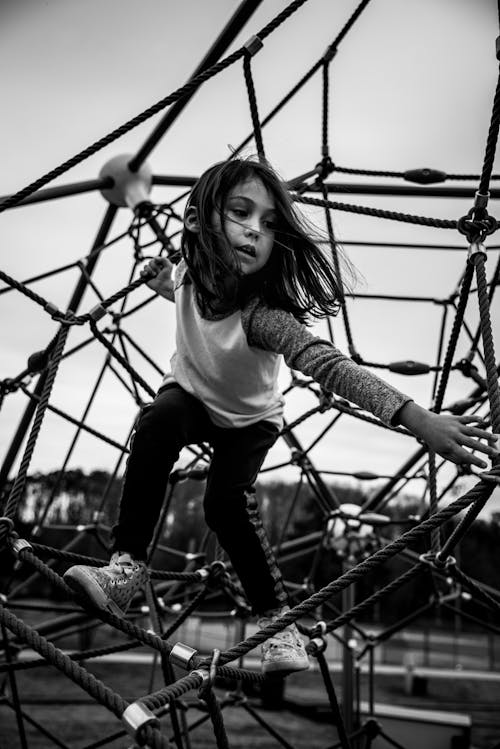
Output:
x=231 y=362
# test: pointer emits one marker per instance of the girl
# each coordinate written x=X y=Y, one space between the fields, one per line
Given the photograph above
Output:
x=248 y=278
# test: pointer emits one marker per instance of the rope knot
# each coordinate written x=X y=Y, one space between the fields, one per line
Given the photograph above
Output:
x=476 y=225
x=9 y=385
x=324 y=167
x=325 y=400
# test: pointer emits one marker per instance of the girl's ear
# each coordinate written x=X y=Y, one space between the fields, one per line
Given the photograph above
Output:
x=191 y=222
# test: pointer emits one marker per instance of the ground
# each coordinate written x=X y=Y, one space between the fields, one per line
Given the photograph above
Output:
x=69 y=714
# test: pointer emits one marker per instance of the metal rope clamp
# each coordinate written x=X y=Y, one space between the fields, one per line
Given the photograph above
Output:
x=97 y=312
x=319 y=641
x=137 y=716
x=253 y=45
x=475 y=249
x=18 y=544
x=203 y=573
x=181 y=655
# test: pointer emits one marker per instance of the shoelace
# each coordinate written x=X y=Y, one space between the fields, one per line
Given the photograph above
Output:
x=285 y=637
x=122 y=569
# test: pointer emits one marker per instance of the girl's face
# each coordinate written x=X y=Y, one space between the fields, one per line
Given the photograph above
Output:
x=249 y=224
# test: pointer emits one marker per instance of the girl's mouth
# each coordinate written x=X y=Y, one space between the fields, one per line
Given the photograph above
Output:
x=247 y=249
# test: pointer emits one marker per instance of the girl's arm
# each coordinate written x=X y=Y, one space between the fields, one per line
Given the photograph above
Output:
x=162 y=282
x=278 y=331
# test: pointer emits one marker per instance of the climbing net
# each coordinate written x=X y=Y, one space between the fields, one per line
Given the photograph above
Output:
x=172 y=597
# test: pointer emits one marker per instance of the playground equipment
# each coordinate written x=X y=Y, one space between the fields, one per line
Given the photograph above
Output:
x=356 y=535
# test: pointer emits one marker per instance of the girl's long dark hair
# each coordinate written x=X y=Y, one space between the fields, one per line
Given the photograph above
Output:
x=298 y=277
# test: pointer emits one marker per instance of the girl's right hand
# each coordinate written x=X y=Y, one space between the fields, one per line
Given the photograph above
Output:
x=161 y=281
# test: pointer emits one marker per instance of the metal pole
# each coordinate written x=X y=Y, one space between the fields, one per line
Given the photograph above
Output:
x=374 y=502
x=74 y=304
x=353 y=188
x=63 y=191
x=227 y=35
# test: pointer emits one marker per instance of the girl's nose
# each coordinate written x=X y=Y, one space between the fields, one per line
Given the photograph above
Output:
x=252 y=228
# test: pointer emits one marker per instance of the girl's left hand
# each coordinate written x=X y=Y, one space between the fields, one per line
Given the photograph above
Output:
x=450 y=435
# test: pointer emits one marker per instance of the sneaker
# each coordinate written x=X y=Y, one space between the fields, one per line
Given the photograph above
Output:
x=112 y=587
x=284 y=652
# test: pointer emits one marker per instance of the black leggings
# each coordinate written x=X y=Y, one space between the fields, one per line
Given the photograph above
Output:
x=176 y=419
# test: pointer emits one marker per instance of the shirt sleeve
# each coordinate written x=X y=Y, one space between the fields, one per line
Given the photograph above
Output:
x=179 y=273
x=279 y=331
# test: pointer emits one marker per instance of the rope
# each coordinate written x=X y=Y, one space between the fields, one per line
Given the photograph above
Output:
x=80 y=655
x=168 y=692
x=78 y=423
x=69 y=318
x=464 y=525
x=20 y=481
x=62 y=662
x=216 y=718
x=125 y=626
x=332 y=698
x=392 y=215
x=478 y=492
x=308 y=75
x=401 y=175
x=254 y=112
x=488 y=344
x=123 y=361
x=384 y=592
x=18 y=286
x=474 y=588
x=324 y=122
x=491 y=143
x=452 y=342
x=333 y=246
x=252 y=510
x=433 y=501
x=68 y=556
x=477 y=497
x=188 y=88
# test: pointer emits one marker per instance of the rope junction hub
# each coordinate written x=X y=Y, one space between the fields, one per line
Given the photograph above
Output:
x=129 y=188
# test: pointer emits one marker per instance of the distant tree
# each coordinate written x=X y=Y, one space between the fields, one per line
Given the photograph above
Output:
x=74 y=497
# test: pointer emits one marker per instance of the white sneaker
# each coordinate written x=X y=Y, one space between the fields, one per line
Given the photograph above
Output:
x=112 y=587
x=284 y=652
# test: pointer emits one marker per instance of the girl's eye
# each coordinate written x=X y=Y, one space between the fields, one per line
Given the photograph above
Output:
x=239 y=212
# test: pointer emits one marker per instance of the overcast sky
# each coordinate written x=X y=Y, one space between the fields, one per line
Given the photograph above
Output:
x=411 y=86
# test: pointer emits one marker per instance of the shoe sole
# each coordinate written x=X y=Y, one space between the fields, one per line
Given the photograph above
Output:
x=280 y=669
x=81 y=582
